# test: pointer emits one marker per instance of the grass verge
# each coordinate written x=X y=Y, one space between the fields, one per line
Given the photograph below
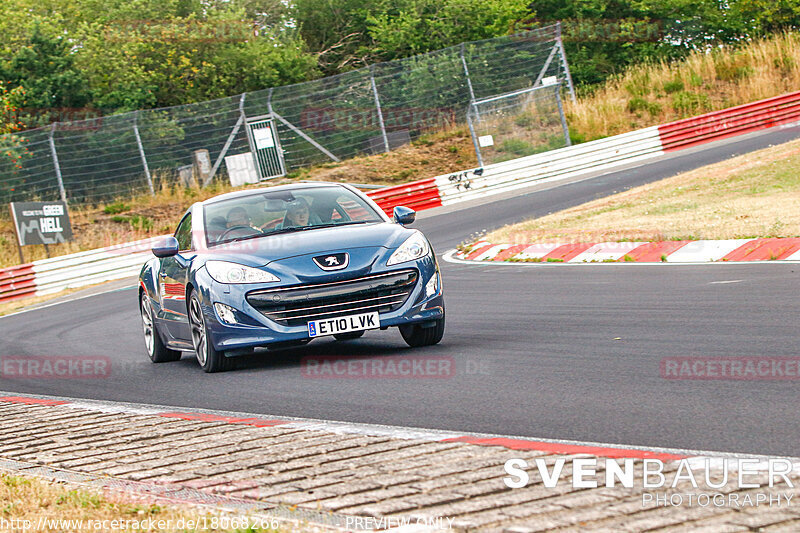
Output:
x=56 y=507
x=651 y=94
x=753 y=195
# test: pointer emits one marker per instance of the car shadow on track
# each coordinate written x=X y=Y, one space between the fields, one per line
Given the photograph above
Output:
x=332 y=352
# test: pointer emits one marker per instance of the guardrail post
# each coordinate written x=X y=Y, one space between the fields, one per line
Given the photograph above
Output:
x=56 y=165
x=378 y=107
x=141 y=153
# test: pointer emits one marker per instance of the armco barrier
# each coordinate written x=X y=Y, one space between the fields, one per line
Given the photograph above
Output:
x=17 y=282
x=52 y=275
x=48 y=276
x=730 y=122
x=563 y=163
x=419 y=195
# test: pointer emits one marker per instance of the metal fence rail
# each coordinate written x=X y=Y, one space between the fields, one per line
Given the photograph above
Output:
x=370 y=110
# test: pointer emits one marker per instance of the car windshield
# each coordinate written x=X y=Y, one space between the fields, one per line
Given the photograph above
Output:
x=267 y=213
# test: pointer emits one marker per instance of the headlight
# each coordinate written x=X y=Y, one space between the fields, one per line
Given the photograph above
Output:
x=225 y=272
x=414 y=247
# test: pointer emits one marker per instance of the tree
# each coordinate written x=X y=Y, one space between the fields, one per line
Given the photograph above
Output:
x=418 y=26
x=761 y=17
x=12 y=147
x=603 y=37
x=178 y=59
x=44 y=68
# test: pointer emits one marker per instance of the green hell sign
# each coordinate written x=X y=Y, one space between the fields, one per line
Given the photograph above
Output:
x=41 y=222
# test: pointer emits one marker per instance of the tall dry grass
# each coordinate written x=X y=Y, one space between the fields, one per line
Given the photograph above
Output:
x=651 y=94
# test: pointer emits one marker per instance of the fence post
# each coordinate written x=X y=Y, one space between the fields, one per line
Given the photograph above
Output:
x=466 y=73
x=278 y=144
x=228 y=142
x=475 y=141
x=570 y=87
x=141 y=153
x=378 y=107
x=557 y=89
x=56 y=165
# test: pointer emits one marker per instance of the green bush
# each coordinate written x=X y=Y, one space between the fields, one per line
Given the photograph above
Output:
x=689 y=103
x=638 y=104
x=517 y=147
x=115 y=208
x=525 y=120
x=673 y=86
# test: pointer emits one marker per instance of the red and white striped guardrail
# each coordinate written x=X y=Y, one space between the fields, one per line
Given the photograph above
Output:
x=48 y=276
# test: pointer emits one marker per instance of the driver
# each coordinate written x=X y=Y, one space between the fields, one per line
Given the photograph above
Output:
x=238 y=217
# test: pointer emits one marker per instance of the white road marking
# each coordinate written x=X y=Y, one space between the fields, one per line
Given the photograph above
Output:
x=69 y=300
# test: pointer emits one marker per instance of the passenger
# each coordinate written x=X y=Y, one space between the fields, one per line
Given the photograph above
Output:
x=298 y=215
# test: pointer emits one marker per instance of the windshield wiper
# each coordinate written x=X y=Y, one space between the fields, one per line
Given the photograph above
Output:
x=319 y=226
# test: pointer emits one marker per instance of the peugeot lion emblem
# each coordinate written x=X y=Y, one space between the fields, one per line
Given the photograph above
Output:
x=332 y=261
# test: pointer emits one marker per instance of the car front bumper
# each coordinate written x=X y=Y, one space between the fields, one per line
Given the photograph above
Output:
x=253 y=329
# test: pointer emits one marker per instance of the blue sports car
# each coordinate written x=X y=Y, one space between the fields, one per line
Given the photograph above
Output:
x=281 y=266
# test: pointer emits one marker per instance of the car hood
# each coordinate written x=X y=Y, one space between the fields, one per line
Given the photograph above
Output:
x=264 y=250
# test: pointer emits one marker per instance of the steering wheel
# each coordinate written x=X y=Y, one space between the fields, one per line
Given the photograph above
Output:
x=249 y=231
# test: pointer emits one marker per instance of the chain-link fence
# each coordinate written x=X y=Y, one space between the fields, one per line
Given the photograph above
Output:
x=276 y=130
x=516 y=124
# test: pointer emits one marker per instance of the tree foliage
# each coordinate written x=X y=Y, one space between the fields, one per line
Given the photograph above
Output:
x=118 y=55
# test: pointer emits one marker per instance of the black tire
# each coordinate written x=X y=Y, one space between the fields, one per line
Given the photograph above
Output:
x=210 y=359
x=152 y=340
x=349 y=336
x=416 y=336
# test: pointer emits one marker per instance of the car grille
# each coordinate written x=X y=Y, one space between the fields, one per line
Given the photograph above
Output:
x=296 y=306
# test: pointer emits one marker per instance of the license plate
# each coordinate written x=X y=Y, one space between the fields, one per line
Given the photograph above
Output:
x=343 y=324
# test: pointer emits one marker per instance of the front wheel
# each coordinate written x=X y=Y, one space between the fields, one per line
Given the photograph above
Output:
x=156 y=349
x=416 y=336
x=210 y=359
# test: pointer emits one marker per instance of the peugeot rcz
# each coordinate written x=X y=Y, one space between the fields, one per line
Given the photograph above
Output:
x=282 y=266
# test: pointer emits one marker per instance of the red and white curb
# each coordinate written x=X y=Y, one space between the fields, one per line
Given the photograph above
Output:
x=681 y=252
x=551 y=446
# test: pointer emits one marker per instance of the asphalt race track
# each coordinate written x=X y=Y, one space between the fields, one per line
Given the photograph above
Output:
x=550 y=351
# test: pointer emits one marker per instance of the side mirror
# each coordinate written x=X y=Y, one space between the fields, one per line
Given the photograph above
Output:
x=167 y=248
x=404 y=215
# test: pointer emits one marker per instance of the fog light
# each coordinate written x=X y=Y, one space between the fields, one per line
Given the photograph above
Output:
x=432 y=286
x=225 y=313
